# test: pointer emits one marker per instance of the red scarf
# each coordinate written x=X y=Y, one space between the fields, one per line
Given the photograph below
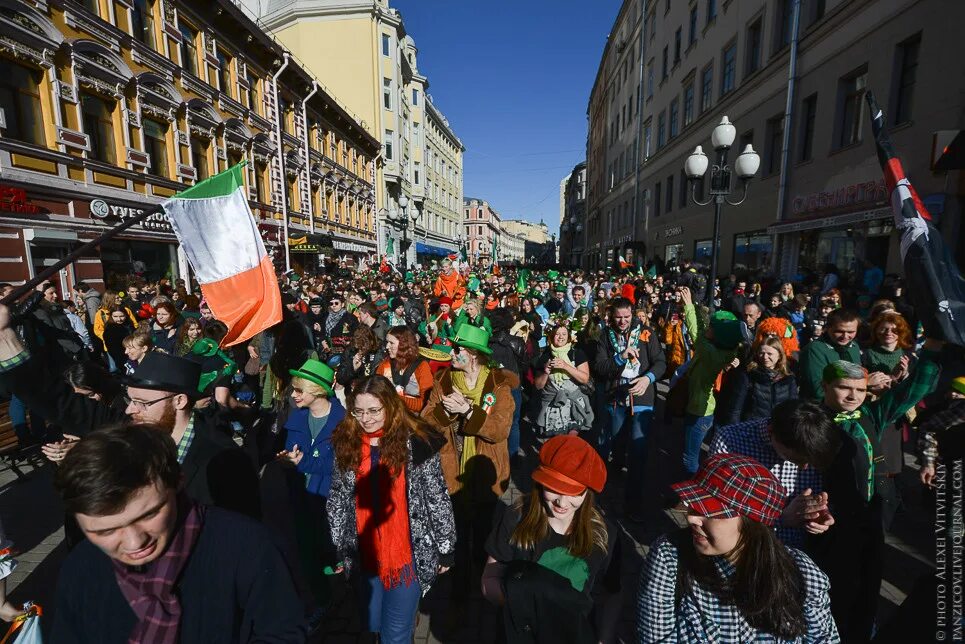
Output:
x=382 y=518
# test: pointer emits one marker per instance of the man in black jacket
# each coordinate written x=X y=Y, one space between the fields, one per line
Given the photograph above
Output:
x=509 y=351
x=627 y=361
x=156 y=565
x=163 y=392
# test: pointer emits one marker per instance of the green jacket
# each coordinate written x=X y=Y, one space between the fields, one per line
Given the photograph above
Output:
x=481 y=321
x=707 y=363
x=815 y=357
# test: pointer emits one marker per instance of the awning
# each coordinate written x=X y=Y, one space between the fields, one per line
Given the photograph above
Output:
x=426 y=249
x=831 y=222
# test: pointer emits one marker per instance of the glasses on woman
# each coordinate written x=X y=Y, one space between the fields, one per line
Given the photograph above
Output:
x=359 y=414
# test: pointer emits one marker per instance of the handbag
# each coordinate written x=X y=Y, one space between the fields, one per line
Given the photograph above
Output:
x=25 y=629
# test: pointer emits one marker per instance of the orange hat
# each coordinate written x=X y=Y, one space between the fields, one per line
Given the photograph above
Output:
x=568 y=465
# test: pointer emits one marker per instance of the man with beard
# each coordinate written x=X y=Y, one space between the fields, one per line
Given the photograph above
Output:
x=163 y=392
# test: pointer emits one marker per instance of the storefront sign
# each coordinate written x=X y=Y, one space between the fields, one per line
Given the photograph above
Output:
x=673 y=231
x=15 y=200
x=352 y=247
x=101 y=209
x=859 y=194
x=830 y=222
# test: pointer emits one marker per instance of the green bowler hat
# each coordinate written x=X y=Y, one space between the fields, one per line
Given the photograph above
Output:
x=473 y=337
x=317 y=372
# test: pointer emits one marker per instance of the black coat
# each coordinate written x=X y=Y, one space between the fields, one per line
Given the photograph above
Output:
x=509 y=351
x=606 y=370
x=234 y=588
x=753 y=394
x=216 y=471
x=536 y=598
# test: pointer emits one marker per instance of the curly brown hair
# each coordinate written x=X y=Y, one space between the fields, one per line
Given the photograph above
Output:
x=364 y=340
x=901 y=328
x=399 y=425
x=408 y=346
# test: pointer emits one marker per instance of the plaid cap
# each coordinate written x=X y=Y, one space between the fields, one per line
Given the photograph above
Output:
x=729 y=485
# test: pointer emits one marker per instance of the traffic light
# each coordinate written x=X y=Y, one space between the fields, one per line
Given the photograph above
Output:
x=948 y=150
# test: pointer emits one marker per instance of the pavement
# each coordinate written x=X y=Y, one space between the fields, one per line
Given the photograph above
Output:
x=32 y=518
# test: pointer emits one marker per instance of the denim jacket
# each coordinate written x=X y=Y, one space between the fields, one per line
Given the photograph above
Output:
x=319 y=458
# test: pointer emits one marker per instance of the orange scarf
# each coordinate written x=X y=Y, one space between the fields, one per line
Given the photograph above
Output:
x=382 y=518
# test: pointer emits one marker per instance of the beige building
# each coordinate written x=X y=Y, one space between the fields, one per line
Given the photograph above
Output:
x=818 y=197
x=573 y=228
x=613 y=144
x=512 y=248
x=361 y=51
x=482 y=228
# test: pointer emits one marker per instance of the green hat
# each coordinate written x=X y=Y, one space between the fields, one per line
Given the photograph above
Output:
x=317 y=372
x=473 y=337
x=727 y=329
x=958 y=384
x=408 y=277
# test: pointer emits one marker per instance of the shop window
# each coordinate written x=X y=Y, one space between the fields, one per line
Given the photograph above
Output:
x=189 y=49
x=199 y=158
x=155 y=144
x=143 y=22
x=224 y=73
x=703 y=250
x=673 y=252
x=20 y=101
x=851 y=108
x=751 y=250
x=98 y=115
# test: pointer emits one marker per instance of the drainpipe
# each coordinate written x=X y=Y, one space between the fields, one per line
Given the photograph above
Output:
x=308 y=165
x=792 y=75
x=639 y=157
x=281 y=160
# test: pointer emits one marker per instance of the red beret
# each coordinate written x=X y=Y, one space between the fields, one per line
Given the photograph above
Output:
x=445 y=299
x=568 y=465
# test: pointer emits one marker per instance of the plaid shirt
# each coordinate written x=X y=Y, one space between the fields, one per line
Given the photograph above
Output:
x=951 y=416
x=701 y=617
x=753 y=439
x=15 y=361
x=186 y=439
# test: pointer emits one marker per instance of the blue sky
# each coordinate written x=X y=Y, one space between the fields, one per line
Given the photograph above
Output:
x=513 y=78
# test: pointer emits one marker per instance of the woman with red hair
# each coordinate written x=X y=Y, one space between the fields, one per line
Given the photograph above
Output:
x=405 y=368
x=889 y=353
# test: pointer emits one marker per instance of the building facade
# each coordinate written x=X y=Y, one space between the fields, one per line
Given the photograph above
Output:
x=613 y=144
x=819 y=197
x=482 y=229
x=109 y=108
x=539 y=247
x=442 y=167
x=512 y=248
x=573 y=226
x=361 y=51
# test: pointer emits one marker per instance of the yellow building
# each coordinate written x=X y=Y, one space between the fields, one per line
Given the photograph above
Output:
x=110 y=107
x=362 y=52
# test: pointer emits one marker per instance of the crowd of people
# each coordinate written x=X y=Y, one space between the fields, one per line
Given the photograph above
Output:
x=365 y=445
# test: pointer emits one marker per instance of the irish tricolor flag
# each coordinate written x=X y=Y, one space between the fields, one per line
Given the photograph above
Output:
x=220 y=238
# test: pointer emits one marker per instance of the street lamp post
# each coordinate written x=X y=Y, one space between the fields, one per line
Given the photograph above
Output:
x=400 y=221
x=695 y=167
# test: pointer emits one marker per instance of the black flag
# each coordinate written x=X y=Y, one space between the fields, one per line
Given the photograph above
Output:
x=934 y=283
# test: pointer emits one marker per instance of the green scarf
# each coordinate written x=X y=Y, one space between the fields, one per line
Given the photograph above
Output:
x=848 y=420
x=563 y=353
x=475 y=397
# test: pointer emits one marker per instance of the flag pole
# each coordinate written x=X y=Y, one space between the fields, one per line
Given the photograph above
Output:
x=50 y=271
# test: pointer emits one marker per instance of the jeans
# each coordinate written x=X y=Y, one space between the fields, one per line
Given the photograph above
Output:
x=639 y=422
x=390 y=613
x=513 y=443
x=695 y=428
